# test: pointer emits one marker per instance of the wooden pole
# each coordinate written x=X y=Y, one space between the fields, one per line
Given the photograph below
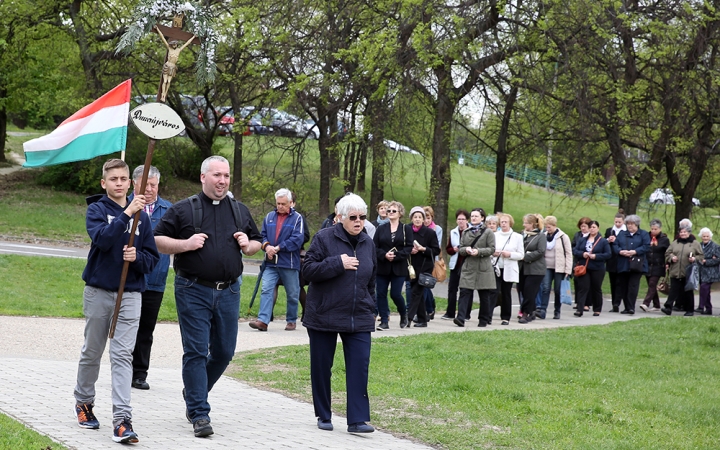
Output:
x=174 y=33
x=131 y=241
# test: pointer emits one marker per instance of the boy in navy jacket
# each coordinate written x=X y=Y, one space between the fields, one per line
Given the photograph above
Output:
x=109 y=221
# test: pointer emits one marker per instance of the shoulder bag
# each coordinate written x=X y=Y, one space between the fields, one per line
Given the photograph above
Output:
x=579 y=271
x=663 y=285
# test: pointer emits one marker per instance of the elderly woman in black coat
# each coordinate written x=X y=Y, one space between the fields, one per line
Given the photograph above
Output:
x=659 y=242
x=341 y=268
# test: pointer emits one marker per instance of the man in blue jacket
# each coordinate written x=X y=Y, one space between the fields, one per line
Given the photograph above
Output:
x=155 y=207
x=109 y=222
x=282 y=233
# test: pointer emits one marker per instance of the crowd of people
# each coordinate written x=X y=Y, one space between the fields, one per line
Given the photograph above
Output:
x=488 y=256
x=349 y=268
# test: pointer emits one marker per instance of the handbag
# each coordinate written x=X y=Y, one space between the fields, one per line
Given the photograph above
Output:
x=692 y=278
x=426 y=280
x=579 y=271
x=565 y=292
x=440 y=270
x=663 y=285
x=411 y=270
x=636 y=264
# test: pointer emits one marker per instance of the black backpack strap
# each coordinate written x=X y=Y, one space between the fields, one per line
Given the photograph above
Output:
x=237 y=214
x=197 y=212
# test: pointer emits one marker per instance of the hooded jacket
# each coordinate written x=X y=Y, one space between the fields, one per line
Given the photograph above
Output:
x=109 y=230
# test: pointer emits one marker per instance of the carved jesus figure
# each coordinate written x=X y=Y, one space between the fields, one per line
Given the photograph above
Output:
x=170 y=67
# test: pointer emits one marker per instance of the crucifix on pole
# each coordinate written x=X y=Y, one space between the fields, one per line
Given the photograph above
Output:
x=170 y=36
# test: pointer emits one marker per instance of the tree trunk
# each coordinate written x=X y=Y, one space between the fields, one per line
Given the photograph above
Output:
x=237 y=183
x=362 y=166
x=325 y=164
x=374 y=112
x=502 y=150
x=3 y=127
x=440 y=173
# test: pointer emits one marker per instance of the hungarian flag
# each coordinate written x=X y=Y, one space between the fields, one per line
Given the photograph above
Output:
x=98 y=129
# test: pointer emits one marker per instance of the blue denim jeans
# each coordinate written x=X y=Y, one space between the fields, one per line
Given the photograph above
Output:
x=551 y=282
x=291 y=281
x=396 y=286
x=208 y=326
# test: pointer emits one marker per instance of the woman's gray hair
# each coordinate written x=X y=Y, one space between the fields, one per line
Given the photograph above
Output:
x=205 y=167
x=492 y=219
x=283 y=193
x=656 y=223
x=706 y=230
x=152 y=173
x=685 y=224
x=632 y=218
x=351 y=202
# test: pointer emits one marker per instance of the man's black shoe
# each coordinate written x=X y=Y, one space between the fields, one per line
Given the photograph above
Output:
x=627 y=311
x=615 y=309
x=325 y=424
x=202 y=428
x=459 y=322
x=666 y=311
x=139 y=383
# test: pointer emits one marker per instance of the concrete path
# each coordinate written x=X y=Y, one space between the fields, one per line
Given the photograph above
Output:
x=38 y=364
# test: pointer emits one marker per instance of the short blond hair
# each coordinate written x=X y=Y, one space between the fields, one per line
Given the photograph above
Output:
x=399 y=206
x=510 y=218
x=551 y=220
x=429 y=211
x=382 y=203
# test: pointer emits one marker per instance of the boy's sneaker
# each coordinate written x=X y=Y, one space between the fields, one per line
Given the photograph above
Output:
x=85 y=416
x=124 y=433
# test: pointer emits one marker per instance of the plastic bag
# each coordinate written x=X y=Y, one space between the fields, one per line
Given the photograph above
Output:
x=565 y=292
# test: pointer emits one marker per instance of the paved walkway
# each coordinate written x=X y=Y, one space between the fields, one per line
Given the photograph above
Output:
x=38 y=364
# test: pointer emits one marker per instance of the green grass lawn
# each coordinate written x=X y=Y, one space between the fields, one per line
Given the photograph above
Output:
x=53 y=287
x=649 y=383
x=14 y=435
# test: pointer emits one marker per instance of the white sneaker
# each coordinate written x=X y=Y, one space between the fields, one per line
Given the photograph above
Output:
x=655 y=309
x=644 y=307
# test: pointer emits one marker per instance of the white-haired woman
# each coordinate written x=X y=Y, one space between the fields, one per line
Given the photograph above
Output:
x=559 y=262
x=709 y=270
x=340 y=266
x=683 y=251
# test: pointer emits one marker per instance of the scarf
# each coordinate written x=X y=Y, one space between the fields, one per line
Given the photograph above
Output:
x=552 y=239
x=688 y=240
x=616 y=230
x=382 y=221
x=432 y=225
x=531 y=233
x=416 y=229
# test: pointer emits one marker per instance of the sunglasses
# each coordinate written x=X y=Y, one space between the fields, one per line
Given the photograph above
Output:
x=392 y=210
x=354 y=218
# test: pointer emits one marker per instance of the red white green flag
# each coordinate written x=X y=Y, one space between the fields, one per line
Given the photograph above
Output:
x=97 y=129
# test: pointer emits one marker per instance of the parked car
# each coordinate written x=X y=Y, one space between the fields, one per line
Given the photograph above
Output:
x=281 y=122
x=311 y=130
x=664 y=196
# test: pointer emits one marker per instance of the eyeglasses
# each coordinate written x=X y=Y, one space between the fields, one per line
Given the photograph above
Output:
x=461 y=218
x=354 y=218
x=392 y=210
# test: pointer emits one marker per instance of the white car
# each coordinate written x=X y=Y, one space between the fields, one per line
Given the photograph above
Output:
x=664 y=196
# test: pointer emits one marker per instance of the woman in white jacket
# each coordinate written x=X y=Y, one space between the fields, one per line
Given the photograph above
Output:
x=508 y=251
x=559 y=261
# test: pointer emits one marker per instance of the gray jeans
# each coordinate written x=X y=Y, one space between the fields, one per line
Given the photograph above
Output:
x=98 y=308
